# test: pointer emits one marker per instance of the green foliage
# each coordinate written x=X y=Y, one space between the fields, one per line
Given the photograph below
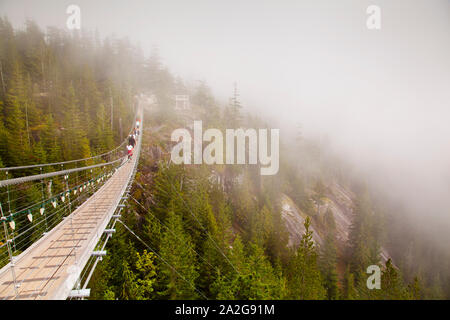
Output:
x=216 y=229
x=52 y=107
x=392 y=287
x=328 y=263
x=138 y=285
x=305 y=279
x=415 y=289
x=179 y=273
x=254 y=277
x=348 y=291
x=364 y=245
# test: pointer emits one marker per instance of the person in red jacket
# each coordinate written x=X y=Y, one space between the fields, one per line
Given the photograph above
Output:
x=130 y=151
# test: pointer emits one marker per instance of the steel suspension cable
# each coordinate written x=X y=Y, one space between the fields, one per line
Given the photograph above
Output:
x=173 y=268
x=202 y=227
x=175 y=234
x=9 y=182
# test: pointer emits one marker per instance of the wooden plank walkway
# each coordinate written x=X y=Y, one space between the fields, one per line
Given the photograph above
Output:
x=50 y=267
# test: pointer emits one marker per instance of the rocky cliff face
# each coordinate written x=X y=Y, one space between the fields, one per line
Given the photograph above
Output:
x=339 y=201
x=294 y=219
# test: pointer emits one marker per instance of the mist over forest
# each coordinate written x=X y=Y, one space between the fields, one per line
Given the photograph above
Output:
x=364 y=135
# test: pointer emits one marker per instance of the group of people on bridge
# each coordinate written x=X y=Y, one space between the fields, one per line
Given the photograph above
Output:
x=132 y=138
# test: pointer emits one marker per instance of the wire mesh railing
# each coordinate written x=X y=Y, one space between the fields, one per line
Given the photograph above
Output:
x=38 y=205
x=30 y=195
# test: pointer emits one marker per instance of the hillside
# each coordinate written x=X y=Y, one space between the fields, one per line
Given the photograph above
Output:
x=234 y=227
x=208 y=231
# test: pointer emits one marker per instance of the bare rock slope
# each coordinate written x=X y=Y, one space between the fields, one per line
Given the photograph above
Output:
x=339 y=201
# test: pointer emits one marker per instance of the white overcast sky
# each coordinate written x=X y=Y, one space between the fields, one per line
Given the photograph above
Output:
x=383 y=97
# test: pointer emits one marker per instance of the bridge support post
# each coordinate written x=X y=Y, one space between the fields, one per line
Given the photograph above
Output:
x=99 y=254
x=79 y=294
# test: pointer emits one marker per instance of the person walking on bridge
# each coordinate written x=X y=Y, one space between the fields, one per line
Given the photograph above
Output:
x=130 y=151
x=131 y=141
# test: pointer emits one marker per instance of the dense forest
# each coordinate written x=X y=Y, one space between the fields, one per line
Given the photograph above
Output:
x=57 y=92
x=217 y=233
x=214 y=232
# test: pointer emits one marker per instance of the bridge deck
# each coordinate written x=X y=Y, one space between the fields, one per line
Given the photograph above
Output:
x=50 y=267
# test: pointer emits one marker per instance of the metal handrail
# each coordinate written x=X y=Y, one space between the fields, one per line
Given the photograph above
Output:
x=4 y=183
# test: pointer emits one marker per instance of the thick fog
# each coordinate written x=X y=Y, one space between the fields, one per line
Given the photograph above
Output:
x=382 y=97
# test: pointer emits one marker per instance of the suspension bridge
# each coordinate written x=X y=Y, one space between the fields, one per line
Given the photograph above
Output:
x=50 y=248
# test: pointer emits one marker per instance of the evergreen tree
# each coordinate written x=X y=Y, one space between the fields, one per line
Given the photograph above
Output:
x=75 y=142
x=180 y=277
x=305 y=280
x=328 y=264
x=348 y=289
x=261 y=281
x=328 y=258
x=363 y=246
x=392 y=287
x=138 y=285
x=18 y=147
x=415 y=289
